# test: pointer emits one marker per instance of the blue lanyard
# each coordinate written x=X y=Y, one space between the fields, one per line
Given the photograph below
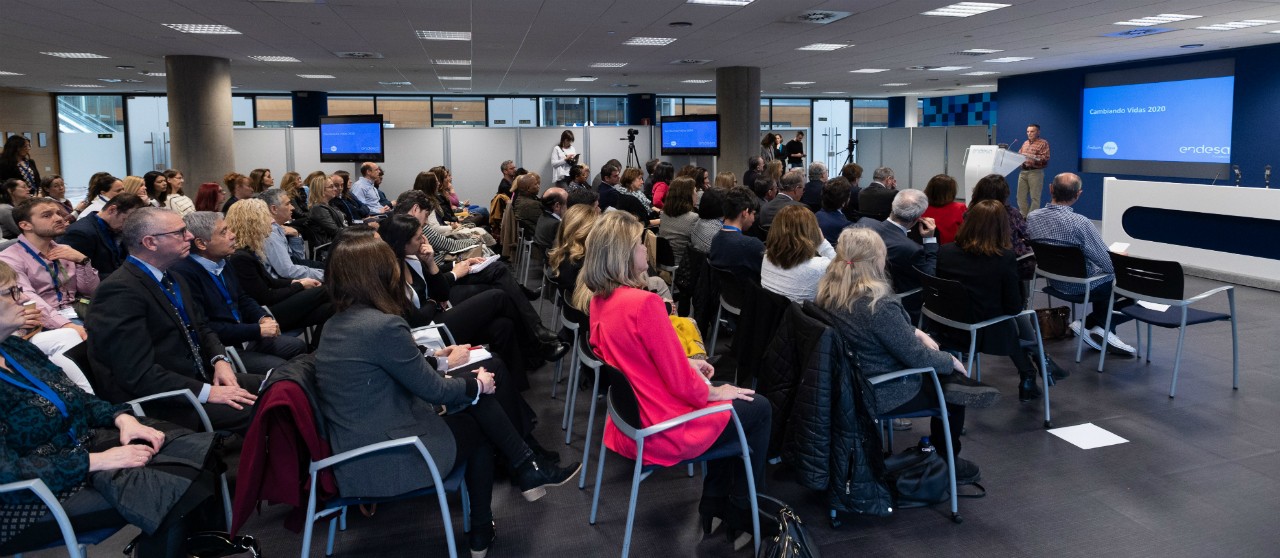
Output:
x=39 y=388
x=54 y=271
x=105 y=233
x=732 y=228
x=219 y=282
x=175 y=298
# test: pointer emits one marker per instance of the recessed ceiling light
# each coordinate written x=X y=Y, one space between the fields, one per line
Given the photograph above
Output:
x=316 y=76
x=721 y=2
x=201 y=28
x=1198 y=45
x=3 y=73
x=581 y=78
x=458 y=88
x=133 y=81
x=82 y=85
x=453 y=62
x=981 y=50
x=965 y=9
x=1157 y=20
x=455 y=78
x=275 y=59
x=73 y=54
x=869 y=71
x=834 y=93
x=109 y=80
x=824 y=46
x=982 y=85
x=949 y=68
x=153 y=74
x=800 y=83
x=979 y=73
x=444 y=35
x=648 y=41
x=893 y=84
x=394 y=83
x=564 y=89
x=696 y=81
x=1009 y=59
x=608 y=64
x=1233 y=25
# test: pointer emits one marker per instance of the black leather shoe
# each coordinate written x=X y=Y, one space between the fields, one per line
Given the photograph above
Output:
x=542 y=454
x=967 y=472
x=481 y=539
x=554 y=350
x=535 y=475
x=1027 y=390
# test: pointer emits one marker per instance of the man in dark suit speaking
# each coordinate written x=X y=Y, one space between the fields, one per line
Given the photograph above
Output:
x=147 y=335
x=904 y=255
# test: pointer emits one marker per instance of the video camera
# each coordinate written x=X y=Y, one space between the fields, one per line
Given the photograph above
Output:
x=631 y=135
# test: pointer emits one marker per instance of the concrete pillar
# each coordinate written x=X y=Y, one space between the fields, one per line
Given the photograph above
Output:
x=738 y=102
x=199 y=89
x=308 y=107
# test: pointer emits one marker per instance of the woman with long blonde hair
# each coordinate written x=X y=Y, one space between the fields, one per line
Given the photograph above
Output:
x=251 y=223
x=136 y=186
x=296 y=303
x=858 y=298
x=565 y=260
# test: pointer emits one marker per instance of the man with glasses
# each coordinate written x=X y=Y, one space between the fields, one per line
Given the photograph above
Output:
x=55 y=274
x=147 y=335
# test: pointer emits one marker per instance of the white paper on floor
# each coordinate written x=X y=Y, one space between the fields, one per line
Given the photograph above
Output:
x=1087 y=436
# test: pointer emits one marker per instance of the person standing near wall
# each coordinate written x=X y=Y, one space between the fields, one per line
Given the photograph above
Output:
x=1031 y=179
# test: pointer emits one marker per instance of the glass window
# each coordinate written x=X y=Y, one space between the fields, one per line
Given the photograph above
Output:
x=609 y=111
x=458 y=112
x=342 y=106
x=274 y=112
x=564 y=111
x=791 y=113
x=405 y=112
x=699 y=105
x=870 y=113
x=670 y=106
x=765 y=118
x=90 y=114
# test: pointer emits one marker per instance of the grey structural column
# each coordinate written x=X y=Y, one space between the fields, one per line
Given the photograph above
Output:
x=738 y=102
x=200 y=118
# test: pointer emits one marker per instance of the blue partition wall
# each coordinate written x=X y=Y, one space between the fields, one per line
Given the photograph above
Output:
x=1052 y=100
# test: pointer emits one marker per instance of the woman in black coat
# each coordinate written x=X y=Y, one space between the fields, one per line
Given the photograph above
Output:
x=16 y=162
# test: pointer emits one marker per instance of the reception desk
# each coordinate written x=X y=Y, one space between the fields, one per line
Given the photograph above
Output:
x=1232 y=231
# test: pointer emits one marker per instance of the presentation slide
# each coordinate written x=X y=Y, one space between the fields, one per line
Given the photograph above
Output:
x=351 y=138
x=690 y=135
x=1182 y=121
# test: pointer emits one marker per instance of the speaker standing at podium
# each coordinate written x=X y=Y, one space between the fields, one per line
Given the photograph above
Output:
x=1031 y=179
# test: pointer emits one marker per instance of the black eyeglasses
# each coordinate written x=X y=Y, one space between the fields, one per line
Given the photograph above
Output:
x=180 y=232
x=14 y=292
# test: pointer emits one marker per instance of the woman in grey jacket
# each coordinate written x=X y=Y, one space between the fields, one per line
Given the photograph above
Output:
x=375 y=385
x=860 y=298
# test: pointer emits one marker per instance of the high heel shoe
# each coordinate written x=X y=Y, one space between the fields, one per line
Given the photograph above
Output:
x=710 y=523
x=711 y=513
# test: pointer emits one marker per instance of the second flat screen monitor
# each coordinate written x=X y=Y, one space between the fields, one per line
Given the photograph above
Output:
x=691 y=135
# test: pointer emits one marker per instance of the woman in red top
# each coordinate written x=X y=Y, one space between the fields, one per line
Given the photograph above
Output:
x=630 y=330
x=945 y=211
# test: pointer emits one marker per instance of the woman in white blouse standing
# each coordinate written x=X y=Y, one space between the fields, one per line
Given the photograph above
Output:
x=792 y=264
x=563 y=157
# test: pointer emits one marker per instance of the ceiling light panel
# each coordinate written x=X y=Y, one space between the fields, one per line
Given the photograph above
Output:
x=979 y=73
x=3 y=73
x=824 y=46
x=696 y=81
x=581 y=78
x=564 y=90
x=1157 y=19
x=949 y=68
x=455 y=78
x=648 y=41
x=800 y=83
x=275 y=59
x=82 y=85
x=73 y=54
x=981 y=51
x=444 y=35
x=394 y=83
x=965 y=9
x=894 y=84
x=201 y=28
x=869 y=71
x=316 y=76
x=608 y=64
x=1233 y=25
x=153 y=74
x=1009 y=59
x=737 y=3
x=453 y=62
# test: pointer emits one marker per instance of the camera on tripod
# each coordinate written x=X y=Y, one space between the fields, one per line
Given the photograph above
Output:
x=631 y=135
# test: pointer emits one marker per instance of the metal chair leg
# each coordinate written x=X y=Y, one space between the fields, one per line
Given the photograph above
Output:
x=1177 y=359
x=591 y=421
x=1235 y=342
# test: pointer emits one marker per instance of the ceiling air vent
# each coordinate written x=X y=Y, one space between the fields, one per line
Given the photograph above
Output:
x=817 y=17
x=359 y=55
x=690 y=62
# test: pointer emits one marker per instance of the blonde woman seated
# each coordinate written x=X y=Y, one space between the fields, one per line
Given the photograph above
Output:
x=792 y=265
x=136 y=186
x=565 y=260
x=630 y=331
x=873 y=322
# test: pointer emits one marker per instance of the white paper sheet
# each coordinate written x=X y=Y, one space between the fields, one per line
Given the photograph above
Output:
x=1118 y=247
x=1087 y=436
x=1153 y=306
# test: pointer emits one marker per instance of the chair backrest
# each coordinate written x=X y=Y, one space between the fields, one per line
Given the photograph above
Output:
x=622 y=398
x=731 y=287
x=947 y=299
x=1067 y=261
x=1153 y=278
x=666 y=256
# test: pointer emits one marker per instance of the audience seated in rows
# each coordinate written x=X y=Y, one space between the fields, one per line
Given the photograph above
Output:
x=97 y=236
x=631 y=199
x=56 y=275
x=792 y=265
x=325 y=220
x=789 y=191
x=295 y=303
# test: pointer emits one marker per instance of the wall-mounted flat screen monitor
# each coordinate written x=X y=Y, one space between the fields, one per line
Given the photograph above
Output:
x=695 y=134
x=351 y=139
x=1172 y=120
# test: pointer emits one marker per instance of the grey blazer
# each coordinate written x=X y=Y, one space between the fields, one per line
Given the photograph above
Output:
x=374 y=386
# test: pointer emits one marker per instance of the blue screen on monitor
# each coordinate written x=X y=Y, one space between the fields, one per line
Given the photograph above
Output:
x=362 y=138
x=1187 y=121
x=696 y=135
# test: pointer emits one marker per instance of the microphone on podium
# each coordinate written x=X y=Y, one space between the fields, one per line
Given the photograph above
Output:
x=1015 y=142
x=1266 y=175
x=1236 y=169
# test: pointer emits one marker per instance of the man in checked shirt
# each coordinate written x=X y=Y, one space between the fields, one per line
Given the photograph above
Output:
x=1031 y=179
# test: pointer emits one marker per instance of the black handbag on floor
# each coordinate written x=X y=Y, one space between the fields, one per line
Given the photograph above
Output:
x=792 y=540
x=918 y=477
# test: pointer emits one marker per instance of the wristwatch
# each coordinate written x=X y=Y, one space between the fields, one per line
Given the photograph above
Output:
x=214 y=361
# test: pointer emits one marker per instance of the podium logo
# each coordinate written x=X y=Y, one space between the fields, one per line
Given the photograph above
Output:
x=1110 y=148
x=1206 y=149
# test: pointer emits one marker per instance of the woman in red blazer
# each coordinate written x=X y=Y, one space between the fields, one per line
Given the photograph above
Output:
x=630 y=330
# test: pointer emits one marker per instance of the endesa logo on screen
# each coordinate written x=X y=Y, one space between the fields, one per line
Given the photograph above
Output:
x=1206 y=149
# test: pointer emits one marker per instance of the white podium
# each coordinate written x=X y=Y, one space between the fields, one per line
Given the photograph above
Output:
x=981 y=160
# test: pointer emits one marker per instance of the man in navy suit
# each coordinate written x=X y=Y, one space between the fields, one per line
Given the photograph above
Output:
x=812 y=195
x=610 y=175
x=906 y=258
x=232 y=314
x=97 y=235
